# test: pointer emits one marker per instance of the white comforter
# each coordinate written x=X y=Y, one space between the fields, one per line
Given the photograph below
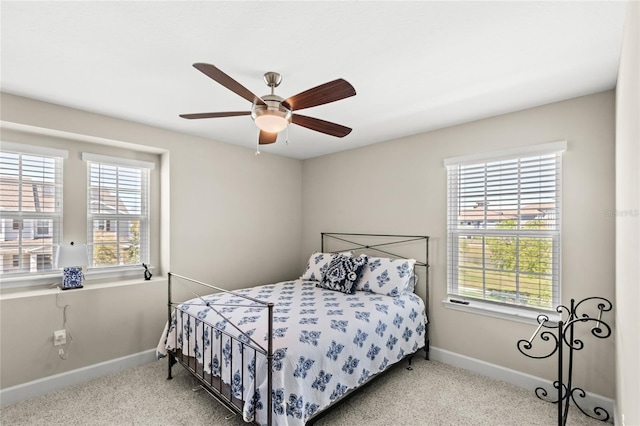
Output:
x=325 y=343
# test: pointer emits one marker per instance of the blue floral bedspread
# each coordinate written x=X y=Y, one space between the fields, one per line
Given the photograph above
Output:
x=325 y=343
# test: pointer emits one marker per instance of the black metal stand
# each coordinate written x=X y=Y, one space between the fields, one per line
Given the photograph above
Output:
x=565 y=336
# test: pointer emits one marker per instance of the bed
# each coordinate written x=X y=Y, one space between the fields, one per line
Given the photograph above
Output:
x=286 y=353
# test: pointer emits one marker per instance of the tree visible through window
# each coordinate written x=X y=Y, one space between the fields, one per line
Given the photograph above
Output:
x=504 y=228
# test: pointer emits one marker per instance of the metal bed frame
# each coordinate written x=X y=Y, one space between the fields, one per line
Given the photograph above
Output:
x=215 y=385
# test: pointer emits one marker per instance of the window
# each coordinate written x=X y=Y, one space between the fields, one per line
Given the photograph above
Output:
x=31 y=207
x=43 y=228
x=117 y=211
x=43 y=262
x=504 y=227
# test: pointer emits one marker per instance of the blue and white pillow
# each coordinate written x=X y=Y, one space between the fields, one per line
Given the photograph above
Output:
x=343 y=273
x=386 y=276
x=318 y=264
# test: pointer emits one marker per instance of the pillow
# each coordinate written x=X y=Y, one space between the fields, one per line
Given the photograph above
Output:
x=412 y=283
x=318 y=264
x=388 y=276
x=343 y=273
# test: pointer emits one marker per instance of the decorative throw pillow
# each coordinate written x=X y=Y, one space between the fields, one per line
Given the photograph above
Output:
x=343 y=273
x=388 y=276
x=318 y=264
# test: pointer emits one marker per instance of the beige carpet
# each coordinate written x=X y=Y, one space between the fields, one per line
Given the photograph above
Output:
x=431 y=394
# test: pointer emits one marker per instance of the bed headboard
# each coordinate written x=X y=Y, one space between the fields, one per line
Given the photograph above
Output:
x=384 y=245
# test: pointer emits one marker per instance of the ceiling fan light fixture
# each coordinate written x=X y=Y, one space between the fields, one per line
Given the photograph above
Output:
x=272 y=117
x=271 y=122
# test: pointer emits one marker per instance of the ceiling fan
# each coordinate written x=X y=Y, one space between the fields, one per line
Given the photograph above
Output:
x=271 y=113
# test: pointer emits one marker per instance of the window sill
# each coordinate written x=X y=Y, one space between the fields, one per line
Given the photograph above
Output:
x=33 y=291
x=52 y=280
x=98 y=275
x=509 y=313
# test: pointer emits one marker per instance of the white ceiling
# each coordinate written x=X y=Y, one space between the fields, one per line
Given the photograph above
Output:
x=416 y=66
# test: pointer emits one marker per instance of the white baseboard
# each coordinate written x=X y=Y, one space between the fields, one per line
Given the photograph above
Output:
x=56 y=382
x=513 y=377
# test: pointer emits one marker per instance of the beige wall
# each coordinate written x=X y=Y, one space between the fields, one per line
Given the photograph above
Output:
x=400 y=187
x=104 y=323
x=228 y=207
x=628 y=222
x=221 y=212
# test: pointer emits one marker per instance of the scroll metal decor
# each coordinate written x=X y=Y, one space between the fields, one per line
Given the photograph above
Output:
x=564 y=335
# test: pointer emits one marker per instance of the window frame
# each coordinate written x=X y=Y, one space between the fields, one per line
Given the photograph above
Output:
x=14 y=221
x=478 y=305
x=144 y=217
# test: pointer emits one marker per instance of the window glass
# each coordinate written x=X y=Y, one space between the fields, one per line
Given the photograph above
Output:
x=504 y=229
x=31 y=209
x=118 y=214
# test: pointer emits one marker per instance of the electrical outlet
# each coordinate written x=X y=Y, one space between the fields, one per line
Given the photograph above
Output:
x=59 y=337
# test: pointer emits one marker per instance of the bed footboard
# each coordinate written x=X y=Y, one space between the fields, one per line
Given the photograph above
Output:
x=214 y=386
x=219 y=379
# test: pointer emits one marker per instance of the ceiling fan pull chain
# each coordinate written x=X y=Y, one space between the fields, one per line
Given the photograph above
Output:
x=287 y=139
x=258 y=144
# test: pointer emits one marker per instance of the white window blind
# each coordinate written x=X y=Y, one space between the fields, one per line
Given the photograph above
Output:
x=117 y=211
x=504 y=220
x=30 y=208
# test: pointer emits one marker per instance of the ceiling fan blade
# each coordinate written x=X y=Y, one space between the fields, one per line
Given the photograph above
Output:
x=321 y=126
x=266 y=138
x=215 y=114
x=228 y=82
x=319 y=95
